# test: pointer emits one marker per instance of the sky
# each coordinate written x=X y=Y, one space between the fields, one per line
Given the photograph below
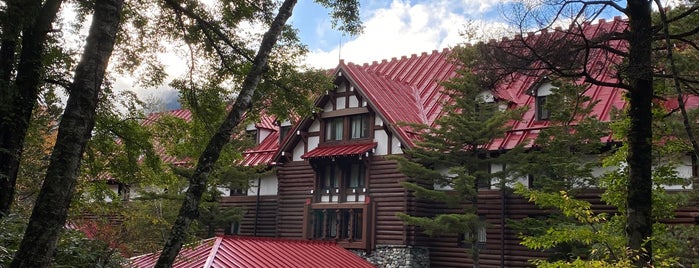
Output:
x=392 y=28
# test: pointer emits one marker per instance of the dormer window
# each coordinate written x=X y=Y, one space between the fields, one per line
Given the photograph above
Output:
x=540 y=95
x=541 y=112
x=283 y=131
x=251 y=135
x=484 y=102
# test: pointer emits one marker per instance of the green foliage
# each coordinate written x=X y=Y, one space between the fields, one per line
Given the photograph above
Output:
x=453 y=154
x=565 y=153
x=74 y=249
x=345 y=15
x=41 y=136
x=600 y=237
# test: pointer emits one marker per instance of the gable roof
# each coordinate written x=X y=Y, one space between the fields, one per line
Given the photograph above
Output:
x=518 y=86
x=405 y=90
x=409 y=90
x=237 y=251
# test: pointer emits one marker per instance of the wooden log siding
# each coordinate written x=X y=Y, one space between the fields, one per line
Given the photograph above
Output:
x=296 y=180
x=266 y=218
x=444 y=251
x=389 y=198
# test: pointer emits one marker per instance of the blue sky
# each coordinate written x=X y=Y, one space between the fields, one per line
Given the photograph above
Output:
x=395 y=28
x=392 y=28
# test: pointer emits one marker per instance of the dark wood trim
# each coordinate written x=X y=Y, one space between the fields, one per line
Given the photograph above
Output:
x=344 y=112
x=342 y=205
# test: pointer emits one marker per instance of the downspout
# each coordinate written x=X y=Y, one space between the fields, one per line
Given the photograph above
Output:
x=503 y=201
x=257 y=205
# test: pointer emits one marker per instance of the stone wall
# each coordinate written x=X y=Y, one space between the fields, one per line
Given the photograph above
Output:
x=397 y=256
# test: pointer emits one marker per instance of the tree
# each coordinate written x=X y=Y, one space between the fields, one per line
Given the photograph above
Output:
x=571 y=53
x=454 y=153
x=198 y=181
x=20 y=82
x=598 y=236
x=51 y=208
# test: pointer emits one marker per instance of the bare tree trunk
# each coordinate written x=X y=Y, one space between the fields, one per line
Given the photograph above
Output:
x=51 y=209
x=17 y=99
x=639 y=219
x=197 y=182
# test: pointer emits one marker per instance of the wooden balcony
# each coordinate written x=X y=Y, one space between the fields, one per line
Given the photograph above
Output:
x=347 y=223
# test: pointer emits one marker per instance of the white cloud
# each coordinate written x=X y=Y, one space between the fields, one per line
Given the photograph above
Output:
x=404 y=29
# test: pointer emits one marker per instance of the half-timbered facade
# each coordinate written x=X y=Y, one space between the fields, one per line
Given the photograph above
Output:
x=334 y=180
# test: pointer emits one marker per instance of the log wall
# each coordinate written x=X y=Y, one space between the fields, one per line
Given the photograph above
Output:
x=283 y=216
x=266 y=218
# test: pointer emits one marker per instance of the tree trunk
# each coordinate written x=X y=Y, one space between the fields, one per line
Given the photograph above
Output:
x=640 y=74
x=51 y=209
x=197 y=182
x=17 y=99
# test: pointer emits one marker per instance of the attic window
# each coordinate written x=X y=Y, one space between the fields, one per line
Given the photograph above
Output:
x=541 y=112
x=540 y=95
x=283 y=131
x=251 y=135
x=484 y=101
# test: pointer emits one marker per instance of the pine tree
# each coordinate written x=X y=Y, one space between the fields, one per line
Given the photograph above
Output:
x=453 y=154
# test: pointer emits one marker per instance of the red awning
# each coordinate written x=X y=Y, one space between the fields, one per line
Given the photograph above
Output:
x=339 y=150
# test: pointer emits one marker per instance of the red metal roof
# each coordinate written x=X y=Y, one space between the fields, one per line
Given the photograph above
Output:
x=405 y=89
x=235 y=251
x=185 y=115
x=339 y=150
x=515 y=89
x=262 y=153
x=409 y=90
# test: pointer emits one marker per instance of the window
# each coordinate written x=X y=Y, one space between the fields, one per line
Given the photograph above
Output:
x=341 y=181
x=283 y=131
x=251 y=135
x=234 y=229
x=343 y=224
x=330 y=177
x=238 y=192
x=541 y=112
x=477 y=236
x=540 y=93
x=356 y=176
x=333 y=129
x=359 y=126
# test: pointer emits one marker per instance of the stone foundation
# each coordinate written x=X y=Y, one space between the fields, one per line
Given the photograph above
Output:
x=388 y=256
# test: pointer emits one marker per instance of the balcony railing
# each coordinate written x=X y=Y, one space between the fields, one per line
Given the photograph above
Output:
x=336 y=195
x=348 y=224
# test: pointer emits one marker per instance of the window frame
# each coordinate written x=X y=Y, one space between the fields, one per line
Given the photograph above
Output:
x=364 y=126
x=542 y=114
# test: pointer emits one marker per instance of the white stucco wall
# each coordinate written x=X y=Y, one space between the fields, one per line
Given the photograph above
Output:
x=353 y=101
x=269 y=186
x=340 y=103
x=262 y=135
x=545 y=89
x=395 y=143
x=381 y=137
x=298 y=151
x=315 y=126
x=313 y=142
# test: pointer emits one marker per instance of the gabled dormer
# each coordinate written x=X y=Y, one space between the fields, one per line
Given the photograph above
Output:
x=540 y=92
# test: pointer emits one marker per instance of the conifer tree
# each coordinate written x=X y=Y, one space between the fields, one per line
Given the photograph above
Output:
x=453 y=154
